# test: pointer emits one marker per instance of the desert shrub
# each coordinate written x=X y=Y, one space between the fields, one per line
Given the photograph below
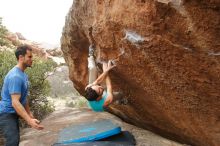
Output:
x=79 y=102
x=7 y=61
x=40 y=87
x=3 y=32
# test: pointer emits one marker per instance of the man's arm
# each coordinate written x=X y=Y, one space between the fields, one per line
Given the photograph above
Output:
x=109 y=91
x=27 y=108
x=22 y=112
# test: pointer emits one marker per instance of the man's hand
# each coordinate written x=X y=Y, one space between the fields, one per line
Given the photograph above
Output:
x=23 y=113
x=34 y=123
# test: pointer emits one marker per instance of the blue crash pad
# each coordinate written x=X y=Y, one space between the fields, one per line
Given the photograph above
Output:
x=88 y=132
x=124 y=138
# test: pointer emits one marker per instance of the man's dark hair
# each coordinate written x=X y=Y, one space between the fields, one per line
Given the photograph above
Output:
x=22 y=50
x=91 y=94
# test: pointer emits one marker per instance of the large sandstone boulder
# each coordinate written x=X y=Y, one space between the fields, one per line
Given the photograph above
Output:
x=170 y=68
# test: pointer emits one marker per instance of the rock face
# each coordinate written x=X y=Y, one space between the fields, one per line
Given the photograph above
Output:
x=170 y=68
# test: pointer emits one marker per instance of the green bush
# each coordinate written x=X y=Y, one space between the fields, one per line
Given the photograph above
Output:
x=3 y=33
x=39 y=86
x=7 y=61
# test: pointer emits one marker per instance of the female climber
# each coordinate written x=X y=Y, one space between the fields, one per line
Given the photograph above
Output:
x=98 y=98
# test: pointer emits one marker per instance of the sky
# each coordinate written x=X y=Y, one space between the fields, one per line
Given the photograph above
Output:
x=36 y=20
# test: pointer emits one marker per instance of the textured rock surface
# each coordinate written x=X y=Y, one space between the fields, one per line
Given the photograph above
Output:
x=170 y=69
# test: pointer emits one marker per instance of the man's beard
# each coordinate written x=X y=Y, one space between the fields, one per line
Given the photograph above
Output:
x=26 y=65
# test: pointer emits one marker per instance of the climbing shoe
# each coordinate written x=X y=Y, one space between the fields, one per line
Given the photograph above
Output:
x=91 y=50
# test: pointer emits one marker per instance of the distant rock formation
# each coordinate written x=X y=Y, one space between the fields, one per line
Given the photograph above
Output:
x=18 y=39
x=20 y=36
x=55 y=52
x=40 y=49
x=170 y=70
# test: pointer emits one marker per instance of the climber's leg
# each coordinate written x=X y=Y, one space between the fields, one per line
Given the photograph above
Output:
x=93 y=74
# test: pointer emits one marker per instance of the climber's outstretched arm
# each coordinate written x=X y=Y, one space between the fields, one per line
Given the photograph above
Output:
x=109 y=91
x=106 y=68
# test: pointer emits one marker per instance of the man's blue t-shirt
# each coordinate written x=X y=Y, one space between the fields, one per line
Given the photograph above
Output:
x=16 y=81
x=97 y=106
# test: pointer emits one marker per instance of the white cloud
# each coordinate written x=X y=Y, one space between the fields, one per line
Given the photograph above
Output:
x=37 y=20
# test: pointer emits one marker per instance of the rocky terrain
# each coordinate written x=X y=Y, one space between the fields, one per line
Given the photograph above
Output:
x=72 y=116
x=170 y=68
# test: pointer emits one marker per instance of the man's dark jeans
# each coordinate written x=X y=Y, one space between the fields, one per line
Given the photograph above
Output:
x=9 y=126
